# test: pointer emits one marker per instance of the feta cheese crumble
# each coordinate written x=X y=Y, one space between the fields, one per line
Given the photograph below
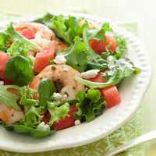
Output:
x=59 y=97
x=60 y=59
x=90 y=74
x=77 y=122
x=43 y=126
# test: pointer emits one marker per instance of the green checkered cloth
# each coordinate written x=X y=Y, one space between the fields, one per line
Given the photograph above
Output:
x=130 y=130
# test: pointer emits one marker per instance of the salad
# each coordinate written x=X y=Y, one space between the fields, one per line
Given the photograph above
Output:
x=59 y=71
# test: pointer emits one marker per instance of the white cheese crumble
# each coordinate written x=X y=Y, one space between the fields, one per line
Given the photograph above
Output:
x=60 y=59
x=90 y=74
x=43 y=126
x=59 y=97
x=77 y=122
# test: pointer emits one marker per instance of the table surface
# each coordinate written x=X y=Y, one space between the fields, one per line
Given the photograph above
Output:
x=141 y=11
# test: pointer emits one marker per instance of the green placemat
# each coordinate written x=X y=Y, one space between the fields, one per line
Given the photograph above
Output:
x=130 y=130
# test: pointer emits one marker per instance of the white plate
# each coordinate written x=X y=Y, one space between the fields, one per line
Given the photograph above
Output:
x=132 y=91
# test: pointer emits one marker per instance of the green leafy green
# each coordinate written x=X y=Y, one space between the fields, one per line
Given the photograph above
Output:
x=121 y=48
x=90 y=104
x=4 y=41
x=57 y=112
x=8 y=98
x=20 y=45
x=95 y=61
x=75 y=32
x=45 y=19
x=76 y=56
x=32 y=120
x=66 y=28
x=32 y=117
x=27 y=97
x=35 y=132
x=40 y=133
x=19 y=70
x=118 y=70
x=81 y=57
x=102 y=32
x=46 y=89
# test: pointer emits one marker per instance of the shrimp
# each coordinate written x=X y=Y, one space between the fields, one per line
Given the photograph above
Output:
x=39 y=30
x=58 y=45
x=9 y=115
x=63 y=74
x=40 y=35
x=42 y=43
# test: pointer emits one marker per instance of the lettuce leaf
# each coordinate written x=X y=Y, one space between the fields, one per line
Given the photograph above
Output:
x=35 y=132
x=27 y=95
x=118 y=70
x=32 y=116
x=30 y=124
x=57 y=112
x=46 y=89
x=95 y=61
x=100 y=34
x=81 y=57
x=76 y=55
x=4 y=41
x=90 y=104
x=65 y=28
x=20 y=45
x=121 y=48
x=7 y=98
x=19 y=70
